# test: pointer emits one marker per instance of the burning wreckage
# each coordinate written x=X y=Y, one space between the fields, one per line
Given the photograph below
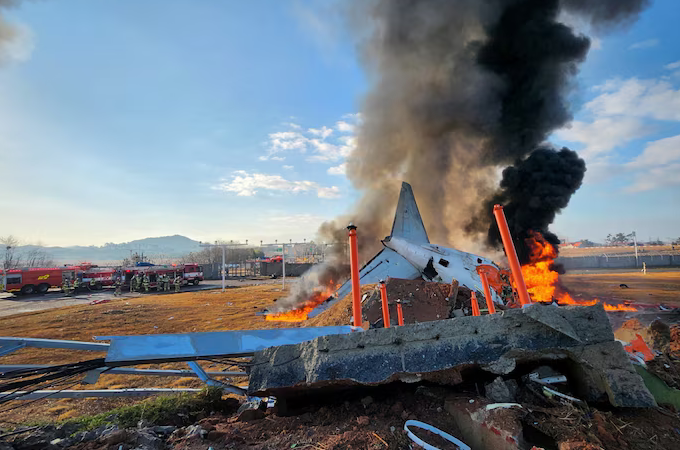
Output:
x=513 y=339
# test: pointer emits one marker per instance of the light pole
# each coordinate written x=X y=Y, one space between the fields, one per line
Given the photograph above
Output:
x=636 y=249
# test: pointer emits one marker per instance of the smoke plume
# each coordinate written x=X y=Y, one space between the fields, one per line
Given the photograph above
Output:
x=460 y=89
x=15 y=39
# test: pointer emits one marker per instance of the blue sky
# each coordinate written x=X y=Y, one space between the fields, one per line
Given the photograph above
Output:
x=122 y=119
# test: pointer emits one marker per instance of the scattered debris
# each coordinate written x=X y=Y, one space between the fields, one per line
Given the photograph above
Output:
x=442 y=351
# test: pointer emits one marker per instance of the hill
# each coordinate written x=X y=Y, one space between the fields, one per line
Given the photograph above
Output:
x=156 y=248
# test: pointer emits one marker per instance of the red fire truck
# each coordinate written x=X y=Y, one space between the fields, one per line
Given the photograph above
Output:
x=191 y=273
x=103 y=276
x=35 y=280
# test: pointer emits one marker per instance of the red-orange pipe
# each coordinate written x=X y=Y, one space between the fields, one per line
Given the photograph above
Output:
x=487 y=294
x=511 y=253
x=385 y=309
x=400 y=314
x=354 y=270
x=475 y=305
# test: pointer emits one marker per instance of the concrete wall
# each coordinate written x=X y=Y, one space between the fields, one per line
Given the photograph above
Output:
x=619 y=262
x=276 y=268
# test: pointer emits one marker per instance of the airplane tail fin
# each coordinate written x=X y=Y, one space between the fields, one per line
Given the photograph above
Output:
x=407 y=221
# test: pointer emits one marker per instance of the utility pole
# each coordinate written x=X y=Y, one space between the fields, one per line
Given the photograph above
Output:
x=636 y=249
x=283 y=265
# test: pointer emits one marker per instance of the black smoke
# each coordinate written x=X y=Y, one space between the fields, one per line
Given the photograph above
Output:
x=533 y=192
x=459 y=89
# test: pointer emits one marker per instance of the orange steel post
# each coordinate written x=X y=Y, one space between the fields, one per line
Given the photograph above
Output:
x=385 y=309
x=475 y=305
x=487 y=294
x=511 y=253
x=354 y=270
x=400 y=314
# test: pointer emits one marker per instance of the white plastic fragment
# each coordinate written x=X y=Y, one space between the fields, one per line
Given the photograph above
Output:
x=491 y=406
x=415 y=423
x=550 y=392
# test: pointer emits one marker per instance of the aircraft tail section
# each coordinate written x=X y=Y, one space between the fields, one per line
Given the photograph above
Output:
x=407 y=221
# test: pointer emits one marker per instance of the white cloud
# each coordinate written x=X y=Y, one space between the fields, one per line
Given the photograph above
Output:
x=649 y=43
x=673 y=65
x=337 y=170
x=625 y=110
x=246 y=184
x=329 y=192
x=324 y=131
x=319 y=143
x=656 y=177
x=344 y=127
x=656 y=99
x=17 y=42
x=659 y=153
x=603 y=134
x=294 y=125
x=288 y=167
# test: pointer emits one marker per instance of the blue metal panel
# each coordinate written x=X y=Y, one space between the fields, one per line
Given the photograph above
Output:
x=53 y=343
x=190 y=346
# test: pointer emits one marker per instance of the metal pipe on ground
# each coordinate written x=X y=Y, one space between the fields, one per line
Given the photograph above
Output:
x=385 y=309
x=511 y=254
x=354 y=269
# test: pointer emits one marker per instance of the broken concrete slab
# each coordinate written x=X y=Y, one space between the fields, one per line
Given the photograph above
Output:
x=578 y=337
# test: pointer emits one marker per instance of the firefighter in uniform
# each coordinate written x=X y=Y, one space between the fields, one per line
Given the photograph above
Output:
x=76 y=285
x=66 y=287
x=117 y=284
x=166 y=283
x=161 y=283
x=93 y=284
x=134 y=283
x=178 y=283
x=146 y=282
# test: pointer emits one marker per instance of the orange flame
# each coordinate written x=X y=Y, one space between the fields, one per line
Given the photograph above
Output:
x=300 y=313
x=542 y=280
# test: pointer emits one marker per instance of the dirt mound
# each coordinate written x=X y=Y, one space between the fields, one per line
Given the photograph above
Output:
x=341 y=312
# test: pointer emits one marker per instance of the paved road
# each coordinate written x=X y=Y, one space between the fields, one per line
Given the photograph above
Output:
x=11 y=304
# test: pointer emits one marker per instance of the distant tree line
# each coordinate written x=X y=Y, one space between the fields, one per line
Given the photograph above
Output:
x=13 y=256
x=213 y=255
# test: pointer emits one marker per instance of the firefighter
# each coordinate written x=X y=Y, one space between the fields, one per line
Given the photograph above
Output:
x=146 y=282
x=166 y=284
x=117 y=284
x=178 y=283
x=66 y=287
x=161 y=283
x=134 y=283
x=76 y=285
x=93 y=284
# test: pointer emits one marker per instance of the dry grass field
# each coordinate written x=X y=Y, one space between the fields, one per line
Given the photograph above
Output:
x=653 y=287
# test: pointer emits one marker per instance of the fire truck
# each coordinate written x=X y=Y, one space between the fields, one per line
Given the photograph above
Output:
x=103 y=276
x=193 y=273
x=38 y=280
x=190 y=273
x=35 y=280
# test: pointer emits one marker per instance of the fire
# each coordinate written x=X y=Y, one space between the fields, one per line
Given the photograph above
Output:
x=299 y=314
x=542 y=280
